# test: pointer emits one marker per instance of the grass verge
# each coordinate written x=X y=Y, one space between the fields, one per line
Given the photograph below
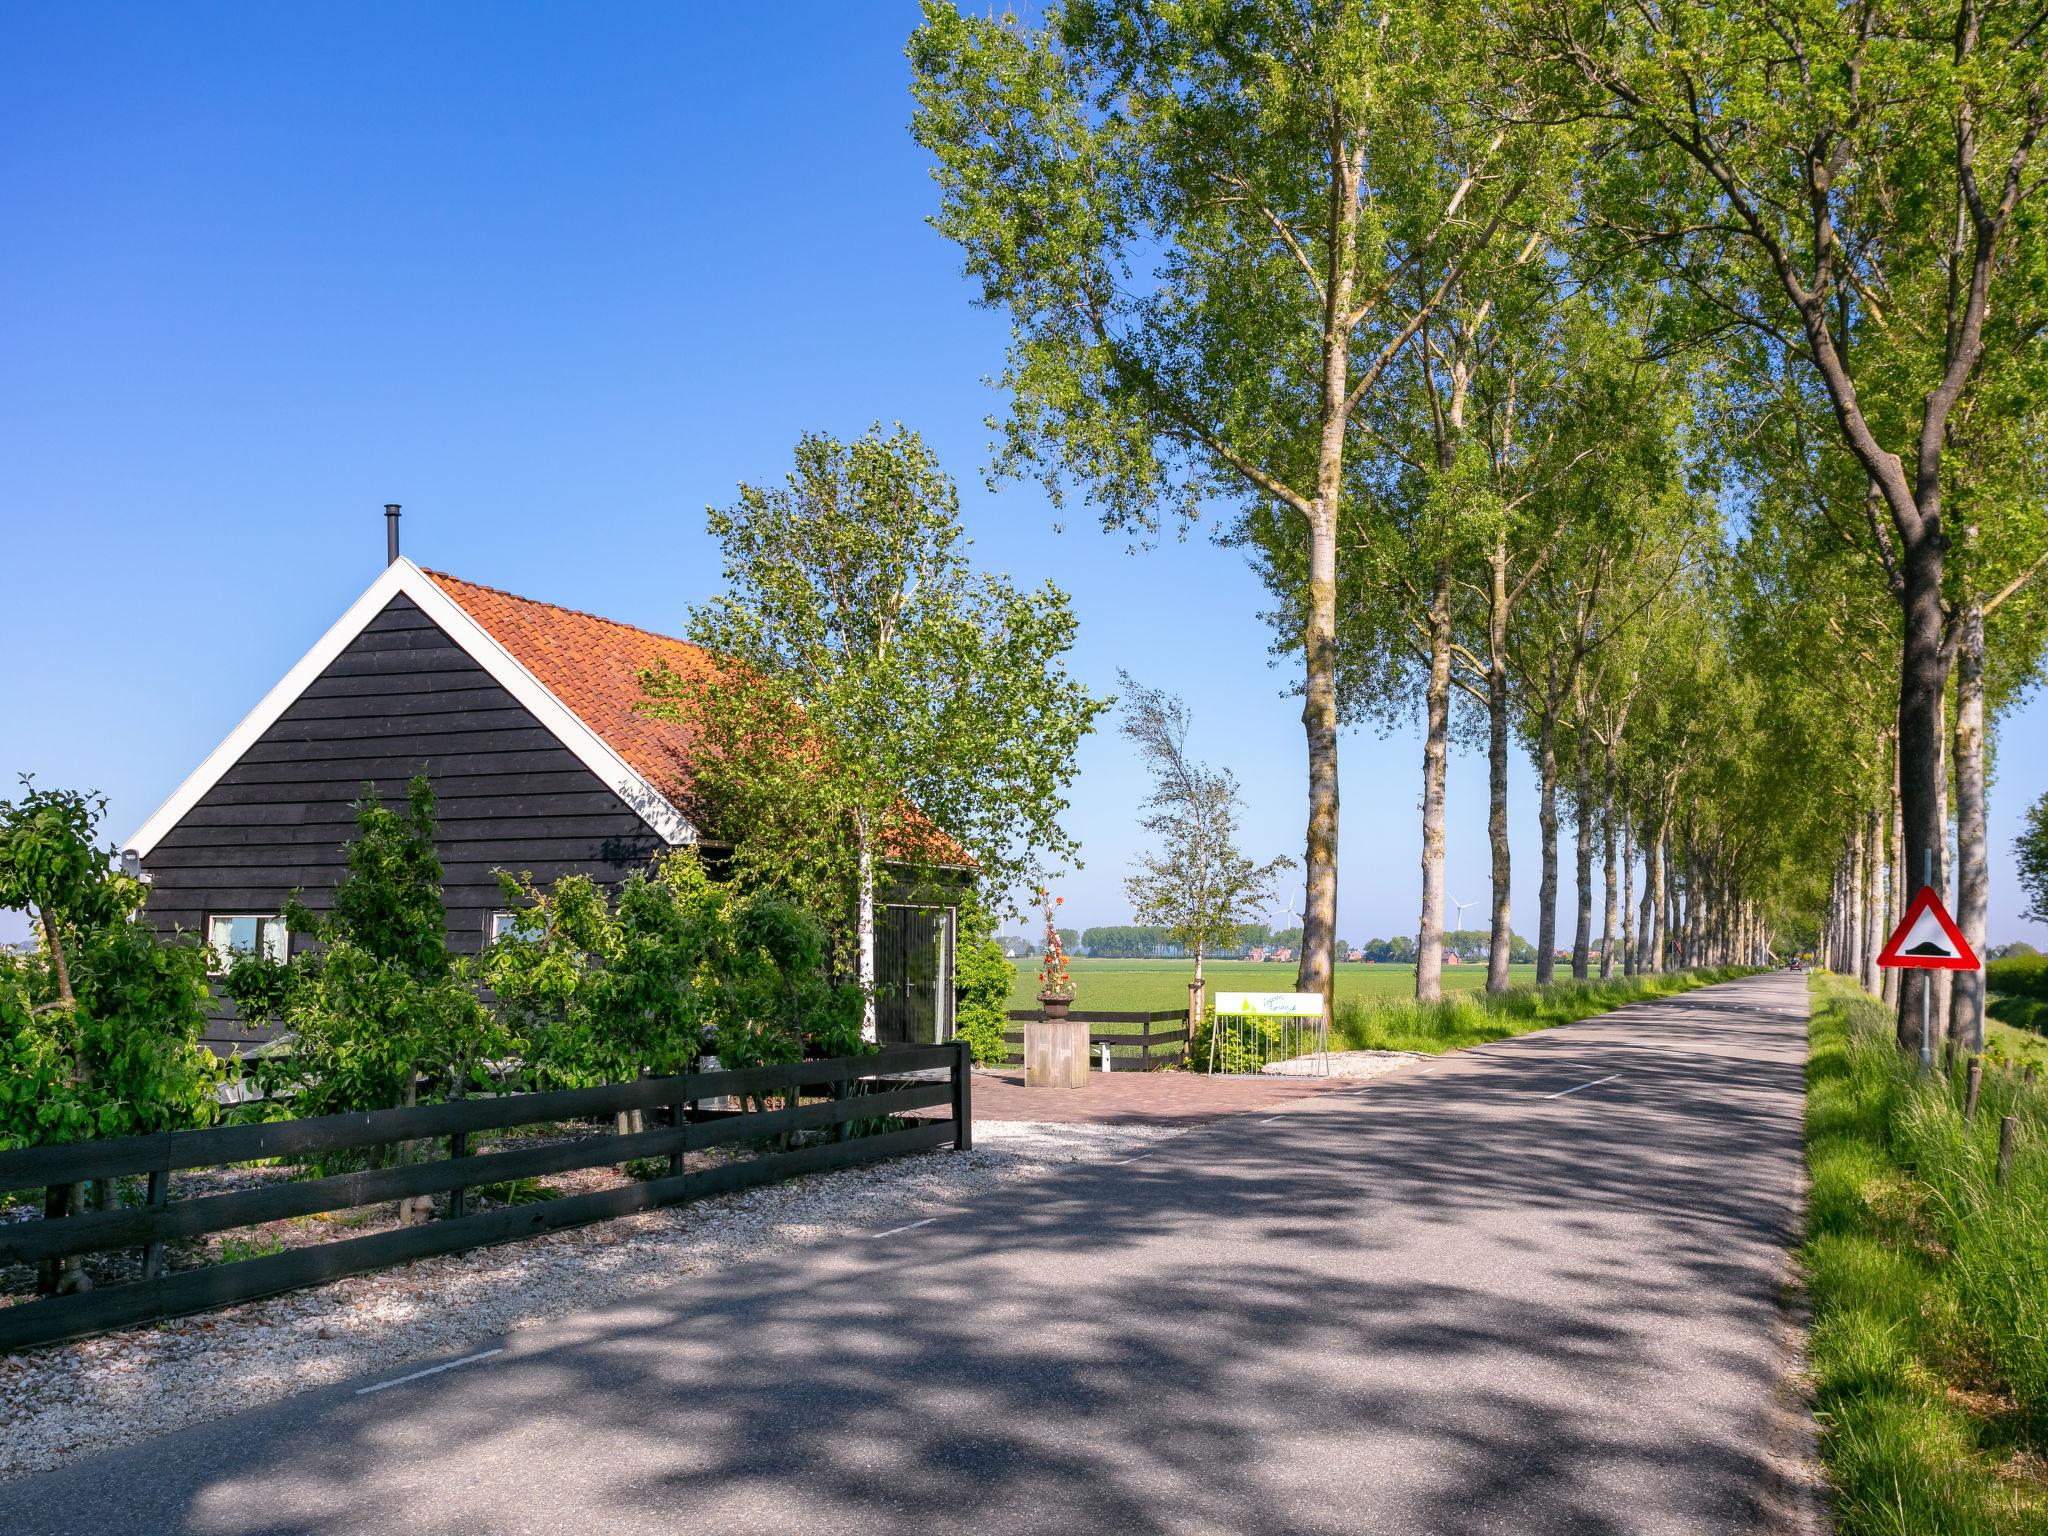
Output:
x=1473 y=1018
x=1929 y=1285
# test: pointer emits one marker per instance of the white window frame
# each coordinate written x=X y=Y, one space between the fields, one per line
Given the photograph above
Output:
x=272 y=938
x=492 y=932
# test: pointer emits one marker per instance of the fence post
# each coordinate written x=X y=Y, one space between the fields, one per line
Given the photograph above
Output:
x=963 y=1097
x=1976 y=1083
x=2008 y=1135
x=159 y=1197
x=458 y=1197
x=679 y=1119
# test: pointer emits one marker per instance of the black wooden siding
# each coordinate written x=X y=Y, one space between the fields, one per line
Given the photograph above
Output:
x=402 y=699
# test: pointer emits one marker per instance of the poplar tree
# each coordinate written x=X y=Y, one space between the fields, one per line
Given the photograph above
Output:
x=1213 y=229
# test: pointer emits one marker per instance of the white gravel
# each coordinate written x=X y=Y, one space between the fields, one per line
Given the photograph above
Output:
x=73 y=1399
x=1348 y=1064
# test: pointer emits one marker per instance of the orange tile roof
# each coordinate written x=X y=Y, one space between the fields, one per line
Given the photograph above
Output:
x=593 y=666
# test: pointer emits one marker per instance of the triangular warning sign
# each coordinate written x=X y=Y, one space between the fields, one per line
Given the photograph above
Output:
x=1928 y=939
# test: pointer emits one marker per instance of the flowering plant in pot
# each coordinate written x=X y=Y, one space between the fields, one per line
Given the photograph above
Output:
x=1055 y=980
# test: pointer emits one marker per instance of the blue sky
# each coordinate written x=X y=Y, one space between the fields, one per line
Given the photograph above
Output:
x=554 y=278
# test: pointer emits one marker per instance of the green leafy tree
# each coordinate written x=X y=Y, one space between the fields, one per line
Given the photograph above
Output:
x=877 y=701
x=1194 y=882
x=1212 y=229
x=1849 y=189
x=100 y=1025
x=377 y=1011
x=2030 y=854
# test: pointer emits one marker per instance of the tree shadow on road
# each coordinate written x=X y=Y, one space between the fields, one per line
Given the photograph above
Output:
x=1438 y=1305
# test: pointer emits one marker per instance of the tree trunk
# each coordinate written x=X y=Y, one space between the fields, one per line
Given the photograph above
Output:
x=1546 y=816
x=1873 y=898
x=1582 y=934
x=1973 y=876
x=1502 y=939
x=1628 y=896
x=1429 y=943
x=1852 y=905
x=1653 y=900
x=865 y=932
x=414 y=1209
x=1923 y=683
x=1944 y=882
x=1894 y=978
x=1610 y=931
x=1319 y=641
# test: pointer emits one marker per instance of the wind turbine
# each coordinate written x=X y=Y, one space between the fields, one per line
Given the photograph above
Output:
x=1461 y=906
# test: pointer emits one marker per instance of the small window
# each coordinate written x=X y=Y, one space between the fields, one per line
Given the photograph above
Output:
x=498 y=924
x=228 y=937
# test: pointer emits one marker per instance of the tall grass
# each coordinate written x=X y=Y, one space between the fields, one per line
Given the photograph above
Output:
x=1929 y=1285
x=1473 y=1018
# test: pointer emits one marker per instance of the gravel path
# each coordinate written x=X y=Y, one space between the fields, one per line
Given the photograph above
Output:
x=1348 y=1064
x=70 y=1399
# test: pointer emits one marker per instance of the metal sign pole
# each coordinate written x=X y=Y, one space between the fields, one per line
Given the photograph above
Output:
x=1926 y=980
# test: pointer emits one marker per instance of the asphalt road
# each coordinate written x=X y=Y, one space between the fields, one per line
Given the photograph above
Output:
x=1531 y=1288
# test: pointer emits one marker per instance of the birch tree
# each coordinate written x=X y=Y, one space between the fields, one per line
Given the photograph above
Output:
x=877 y=706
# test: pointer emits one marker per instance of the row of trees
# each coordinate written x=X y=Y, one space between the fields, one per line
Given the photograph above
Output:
x=1652 y=388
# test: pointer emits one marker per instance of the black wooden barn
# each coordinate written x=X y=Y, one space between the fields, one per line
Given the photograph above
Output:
x=521 y=713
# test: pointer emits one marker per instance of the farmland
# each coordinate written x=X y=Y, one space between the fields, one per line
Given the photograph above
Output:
x=1134 y=985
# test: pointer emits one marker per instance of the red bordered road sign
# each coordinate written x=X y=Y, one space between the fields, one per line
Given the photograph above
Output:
x=1928 y=939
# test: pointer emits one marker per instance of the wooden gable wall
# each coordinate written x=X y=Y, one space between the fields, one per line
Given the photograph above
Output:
x=401 y=699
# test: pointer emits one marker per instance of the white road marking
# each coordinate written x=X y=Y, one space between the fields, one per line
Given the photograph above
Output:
x=1129 y=1160
x=432 y=1370
x=907 y=1227
x=1610 y=1077
x=1274 y=1121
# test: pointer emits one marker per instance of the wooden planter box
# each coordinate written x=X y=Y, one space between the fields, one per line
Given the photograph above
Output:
x=1056 y=1053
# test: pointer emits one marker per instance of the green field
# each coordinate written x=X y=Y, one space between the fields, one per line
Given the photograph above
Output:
x=1135 y=986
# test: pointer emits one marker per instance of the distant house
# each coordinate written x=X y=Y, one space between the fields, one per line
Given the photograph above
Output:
x=522 y=715
x=1282 y=954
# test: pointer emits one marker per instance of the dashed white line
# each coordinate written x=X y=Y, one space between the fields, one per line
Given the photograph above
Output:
x=906 y=1227
x=1610 y=1077
x=432 y=1370
x=1126 y=1162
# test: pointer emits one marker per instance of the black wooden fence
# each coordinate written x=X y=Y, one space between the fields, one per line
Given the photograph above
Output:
x=1160 y=1039
x=860 y=1088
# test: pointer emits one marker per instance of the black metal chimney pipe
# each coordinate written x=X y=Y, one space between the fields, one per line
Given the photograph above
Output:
x=391 y=533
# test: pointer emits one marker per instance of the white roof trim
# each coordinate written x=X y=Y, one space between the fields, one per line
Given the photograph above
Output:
x=591 y=749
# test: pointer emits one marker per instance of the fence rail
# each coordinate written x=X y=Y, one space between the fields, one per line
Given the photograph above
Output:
x=1158 y=1047
x=861 y=1088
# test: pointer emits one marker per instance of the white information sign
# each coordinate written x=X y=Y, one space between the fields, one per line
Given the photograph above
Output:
x=1270 y=1005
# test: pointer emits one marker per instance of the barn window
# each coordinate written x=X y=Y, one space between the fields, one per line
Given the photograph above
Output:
x=499 y=924
x=247 y=934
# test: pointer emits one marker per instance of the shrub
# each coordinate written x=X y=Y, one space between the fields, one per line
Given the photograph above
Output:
x=108 y=1045
x=982 y=975
x=601 y=989
x=2018 y=976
